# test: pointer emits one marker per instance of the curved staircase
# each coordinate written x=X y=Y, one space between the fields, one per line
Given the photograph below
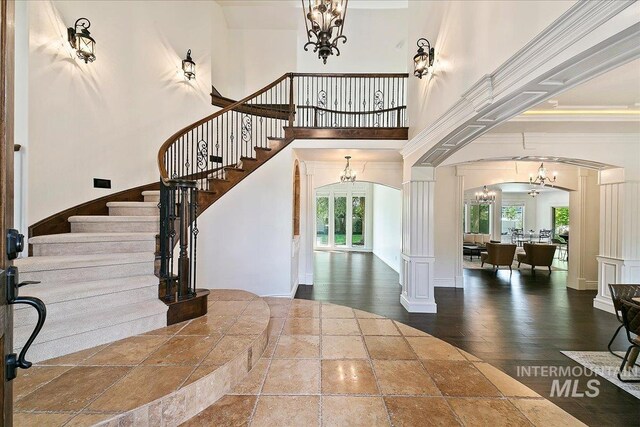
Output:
x=109 y=276
x=98 y=281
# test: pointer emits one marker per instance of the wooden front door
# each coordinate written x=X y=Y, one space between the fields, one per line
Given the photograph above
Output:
x=6 y=196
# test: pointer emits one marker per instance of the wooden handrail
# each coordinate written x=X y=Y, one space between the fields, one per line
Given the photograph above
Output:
x=163 y=170
x=386 y=110
x=359 y=75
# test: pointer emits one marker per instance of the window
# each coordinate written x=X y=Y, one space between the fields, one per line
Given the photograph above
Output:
x=340 y=220
x=479 y=218
x=512 y=217
x=560 y=220
x=322 y=221
x=343 y=220
x=357 y=220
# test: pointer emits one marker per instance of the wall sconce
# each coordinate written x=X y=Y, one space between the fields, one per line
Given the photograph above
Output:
x=423 y=59
x=81 y=40
x=189 y=67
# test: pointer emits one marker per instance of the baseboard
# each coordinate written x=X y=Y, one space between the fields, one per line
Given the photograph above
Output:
x=459 y=282
x=418 y=307
x=294 y=290
x=448 y=282
x=603 y=304
x=582 y=284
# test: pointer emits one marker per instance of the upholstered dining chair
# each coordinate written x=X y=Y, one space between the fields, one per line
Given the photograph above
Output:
x=631 y=319
x=619 y=293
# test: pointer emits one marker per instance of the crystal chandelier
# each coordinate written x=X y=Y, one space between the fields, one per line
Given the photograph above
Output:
x=322 y=19
x=485 y=196
x=533 y=192
x=542 y=179
x=347 y=174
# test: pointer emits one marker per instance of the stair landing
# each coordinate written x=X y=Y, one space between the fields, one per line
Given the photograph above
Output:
x=162 y=377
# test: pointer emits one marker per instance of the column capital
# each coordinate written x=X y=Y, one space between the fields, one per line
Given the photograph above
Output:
x=418 y=173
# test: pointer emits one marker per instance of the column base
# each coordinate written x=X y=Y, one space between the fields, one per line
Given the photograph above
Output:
x=418 y=306
x=604 y=304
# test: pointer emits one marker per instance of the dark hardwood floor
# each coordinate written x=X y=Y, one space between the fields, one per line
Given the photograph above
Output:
x=509 y=321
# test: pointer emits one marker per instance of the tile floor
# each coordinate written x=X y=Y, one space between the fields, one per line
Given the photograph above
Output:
x=94 y=385
x=334 y=366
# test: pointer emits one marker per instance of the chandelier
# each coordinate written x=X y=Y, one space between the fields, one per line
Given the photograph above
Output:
x=485 y=196
x=323 y=18
x=533 y=192
x=542 y=179
x=347 y=174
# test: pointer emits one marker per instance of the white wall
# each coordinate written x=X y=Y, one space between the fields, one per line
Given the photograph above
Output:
x=245 y=239
x=471 y=39
x=107 y=119
x=387 y=225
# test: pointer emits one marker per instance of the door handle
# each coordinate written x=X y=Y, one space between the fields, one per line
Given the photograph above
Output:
x=13 y=361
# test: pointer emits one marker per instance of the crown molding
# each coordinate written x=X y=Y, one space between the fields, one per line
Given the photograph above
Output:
x=478 y=110
x=530 y=138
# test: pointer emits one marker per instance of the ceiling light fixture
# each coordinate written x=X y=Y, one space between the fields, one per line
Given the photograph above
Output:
x=348 y=175
x=80 y=39
x=423 y=59
x=485 y=196
x=543 y=179
x=325 y=18
x=533 y=192
x=189 y=67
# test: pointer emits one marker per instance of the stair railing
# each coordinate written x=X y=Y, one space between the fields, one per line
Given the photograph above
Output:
x=198 y=154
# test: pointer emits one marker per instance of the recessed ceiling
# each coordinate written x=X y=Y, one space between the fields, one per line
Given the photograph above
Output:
x=609 y=103
x=337 y=155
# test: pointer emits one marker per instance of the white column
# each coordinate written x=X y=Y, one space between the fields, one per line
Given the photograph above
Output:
x=310 y=226
x=459 y=265
x=619 y=252
x=496 y=223
x=418 y=241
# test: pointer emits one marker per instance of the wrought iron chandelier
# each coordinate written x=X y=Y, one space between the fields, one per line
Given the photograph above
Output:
x=533 y=192
x=348 y=175
x=323 y=20
x=542 y=179
x=485 y=196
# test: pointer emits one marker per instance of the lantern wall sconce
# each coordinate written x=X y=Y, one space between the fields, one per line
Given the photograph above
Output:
x=423 y=59
x=81 y=40
x=189 y=67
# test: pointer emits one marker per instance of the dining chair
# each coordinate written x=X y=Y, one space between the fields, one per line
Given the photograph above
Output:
x=631 y=319
x=620 y=293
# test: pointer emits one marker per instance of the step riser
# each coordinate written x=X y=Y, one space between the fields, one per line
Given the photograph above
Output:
x=89 y=248
x=27 y=315
x=115 y=227
x=126 y=211
x=152 y=198
x=70 y=344
x=87 y=274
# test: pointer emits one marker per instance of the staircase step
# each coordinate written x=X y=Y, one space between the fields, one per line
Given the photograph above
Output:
x=115 y=224
x=218 y=185
x=65 y=299
x=263 y=153
x=133 y=208
x=151 y=195
x=78 y=268
x=61 y=336
x=92 y=243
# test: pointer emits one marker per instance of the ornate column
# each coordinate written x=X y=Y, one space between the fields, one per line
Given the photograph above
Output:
x=418 y=241
x=619 y=251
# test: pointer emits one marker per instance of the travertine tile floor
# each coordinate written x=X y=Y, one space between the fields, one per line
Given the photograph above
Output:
x=334 y=366
x=100 y=383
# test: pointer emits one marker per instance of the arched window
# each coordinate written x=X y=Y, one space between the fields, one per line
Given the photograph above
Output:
x=296 y=200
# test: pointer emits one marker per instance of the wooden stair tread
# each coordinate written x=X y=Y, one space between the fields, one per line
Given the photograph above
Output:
x=233 y=168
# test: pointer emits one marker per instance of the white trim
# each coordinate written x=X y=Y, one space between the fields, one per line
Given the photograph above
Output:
x=448 y=282
x=418 y=307
x=528 y=72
